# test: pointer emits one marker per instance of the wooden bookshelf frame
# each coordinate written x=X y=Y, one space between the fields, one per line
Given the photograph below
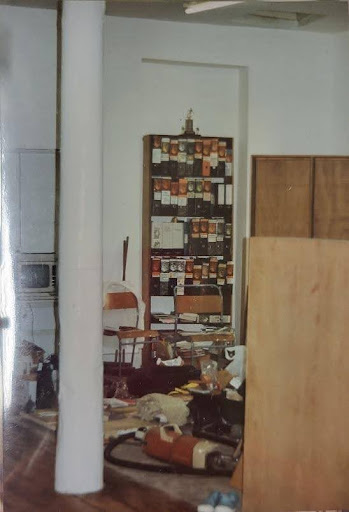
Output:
x=147 y=217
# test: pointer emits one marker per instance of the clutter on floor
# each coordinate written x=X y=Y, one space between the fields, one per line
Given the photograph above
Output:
x=178 y=414
x=166 y=409
x=199 y=412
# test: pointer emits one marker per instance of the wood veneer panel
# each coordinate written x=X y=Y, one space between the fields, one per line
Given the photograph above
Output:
x=282 y=202
x=331 y=198
x=297 y=416
x=237 y=478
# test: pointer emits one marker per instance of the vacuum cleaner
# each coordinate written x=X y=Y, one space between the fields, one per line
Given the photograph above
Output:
x=183 y=454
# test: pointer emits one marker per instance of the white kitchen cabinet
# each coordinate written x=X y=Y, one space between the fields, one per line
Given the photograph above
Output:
x=37 y=183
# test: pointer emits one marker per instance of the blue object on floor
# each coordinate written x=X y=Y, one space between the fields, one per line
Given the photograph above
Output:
x=214 y=498
x=230 y=499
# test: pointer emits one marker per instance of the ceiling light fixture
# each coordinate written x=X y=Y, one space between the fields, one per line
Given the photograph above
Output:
x=195 y=7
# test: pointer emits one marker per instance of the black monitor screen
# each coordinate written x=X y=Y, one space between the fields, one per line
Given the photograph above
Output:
x=35 y=276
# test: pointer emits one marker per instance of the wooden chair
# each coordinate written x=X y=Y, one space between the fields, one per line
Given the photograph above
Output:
x=202 y=299
x=129 y=335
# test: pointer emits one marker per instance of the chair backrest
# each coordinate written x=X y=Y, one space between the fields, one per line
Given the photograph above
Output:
x=120 y=309
x=202 y=302
x=120 y=300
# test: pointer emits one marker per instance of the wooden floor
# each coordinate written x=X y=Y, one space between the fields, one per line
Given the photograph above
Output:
x=29 y=481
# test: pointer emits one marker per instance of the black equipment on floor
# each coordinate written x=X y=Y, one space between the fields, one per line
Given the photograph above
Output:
x=218 y=419
x=160 y=379
x=46 y=397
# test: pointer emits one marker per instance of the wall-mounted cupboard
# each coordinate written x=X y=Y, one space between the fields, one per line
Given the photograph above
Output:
x=300 y=196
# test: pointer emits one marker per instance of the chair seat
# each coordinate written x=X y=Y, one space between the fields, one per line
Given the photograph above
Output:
x=136 y=333
x=216 y=337
x=109 y=332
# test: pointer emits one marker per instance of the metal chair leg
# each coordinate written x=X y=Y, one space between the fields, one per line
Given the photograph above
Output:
x=120 y=357
x=133 y=351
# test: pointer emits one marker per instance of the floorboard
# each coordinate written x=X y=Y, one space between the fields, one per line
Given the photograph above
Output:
x=29 y=454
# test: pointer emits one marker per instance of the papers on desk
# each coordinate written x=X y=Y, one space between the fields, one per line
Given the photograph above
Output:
x=191 y=318
x=164 y=318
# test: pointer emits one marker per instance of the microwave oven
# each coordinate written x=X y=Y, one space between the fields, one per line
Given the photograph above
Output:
x=37 y=274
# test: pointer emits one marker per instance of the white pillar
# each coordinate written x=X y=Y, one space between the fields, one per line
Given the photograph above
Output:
x=79 y=460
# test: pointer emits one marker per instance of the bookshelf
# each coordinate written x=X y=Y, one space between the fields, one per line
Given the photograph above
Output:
x=188 y=212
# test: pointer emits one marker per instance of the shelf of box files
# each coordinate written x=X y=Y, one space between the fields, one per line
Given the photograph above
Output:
x=188 y=212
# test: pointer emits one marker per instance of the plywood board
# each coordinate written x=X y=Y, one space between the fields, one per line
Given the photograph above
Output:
x=331 y=198
x=282 y=196
x=296 y=454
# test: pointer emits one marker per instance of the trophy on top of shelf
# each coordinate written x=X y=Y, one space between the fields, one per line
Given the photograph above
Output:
x=189 y=124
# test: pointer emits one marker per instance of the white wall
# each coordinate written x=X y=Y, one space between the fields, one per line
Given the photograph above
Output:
x=290 y=87
x=156 y=100
x=28 y=47
x=28 y=77
x=340 y=97
x=296 y=89
x=28 y=62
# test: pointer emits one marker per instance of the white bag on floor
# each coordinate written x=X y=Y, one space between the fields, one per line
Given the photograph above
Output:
x=237 y=365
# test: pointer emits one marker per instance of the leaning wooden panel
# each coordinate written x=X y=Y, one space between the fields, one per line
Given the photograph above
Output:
x=331 y=198
x=297 y=410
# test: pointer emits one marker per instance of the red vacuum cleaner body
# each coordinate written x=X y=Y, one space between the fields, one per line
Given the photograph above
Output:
x=169 y=444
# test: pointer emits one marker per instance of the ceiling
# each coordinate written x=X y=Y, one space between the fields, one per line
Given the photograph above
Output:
x=324 y=16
